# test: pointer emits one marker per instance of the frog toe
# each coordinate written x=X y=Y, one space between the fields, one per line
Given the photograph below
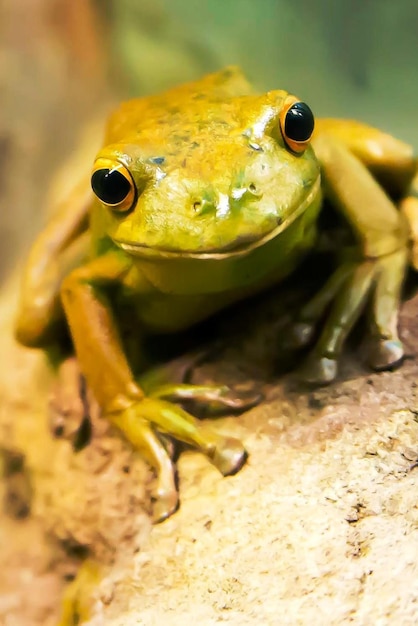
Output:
x=386 y=353
x=318 y=370
x=239 y=399
x=229 y=456
x=71 y=405
x=213 y=398
x=166 y=503
x=300 y=335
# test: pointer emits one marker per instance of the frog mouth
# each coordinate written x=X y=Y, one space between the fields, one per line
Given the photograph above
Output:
x=239 y=248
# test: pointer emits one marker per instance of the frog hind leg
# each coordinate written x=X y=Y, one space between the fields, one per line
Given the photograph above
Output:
x=391 y=161
x=62 y=246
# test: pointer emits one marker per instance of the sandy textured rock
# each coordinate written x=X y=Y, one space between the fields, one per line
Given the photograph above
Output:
x=320 y=527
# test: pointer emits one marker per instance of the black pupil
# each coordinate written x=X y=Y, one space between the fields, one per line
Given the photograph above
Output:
x=110 y=186
x=299 y=122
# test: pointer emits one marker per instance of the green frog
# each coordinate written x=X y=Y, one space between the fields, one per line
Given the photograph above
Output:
x=200 y=197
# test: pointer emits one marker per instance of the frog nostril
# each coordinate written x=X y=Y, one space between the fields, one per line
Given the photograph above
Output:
x=249 y=192
x=203 y=206
x=254 y=192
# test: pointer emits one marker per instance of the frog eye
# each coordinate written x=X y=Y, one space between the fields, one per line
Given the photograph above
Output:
x=113 y=185
x=297 y=124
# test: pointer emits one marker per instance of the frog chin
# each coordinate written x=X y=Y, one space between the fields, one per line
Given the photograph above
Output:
x=240 y=247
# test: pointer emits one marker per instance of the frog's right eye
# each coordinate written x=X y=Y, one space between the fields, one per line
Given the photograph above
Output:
x=113 y=185
x=297 y=124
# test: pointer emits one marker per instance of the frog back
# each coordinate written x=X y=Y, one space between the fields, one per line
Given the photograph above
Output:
x=227 y=83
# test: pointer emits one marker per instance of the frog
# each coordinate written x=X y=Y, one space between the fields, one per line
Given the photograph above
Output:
x=201 y=197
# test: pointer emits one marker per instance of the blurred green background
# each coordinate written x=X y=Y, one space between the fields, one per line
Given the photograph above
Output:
x=63 y=63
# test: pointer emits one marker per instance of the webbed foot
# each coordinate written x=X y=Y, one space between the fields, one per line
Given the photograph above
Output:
x=143 y=420
x=153 y=423
x=379 y=280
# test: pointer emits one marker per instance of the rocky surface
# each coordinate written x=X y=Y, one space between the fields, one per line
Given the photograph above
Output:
x=319 y=527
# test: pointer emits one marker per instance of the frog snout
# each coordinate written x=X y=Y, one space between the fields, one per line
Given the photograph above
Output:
x=220 y=204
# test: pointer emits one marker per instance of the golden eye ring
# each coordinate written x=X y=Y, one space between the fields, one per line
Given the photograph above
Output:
x=296 y=124
x=113 y=185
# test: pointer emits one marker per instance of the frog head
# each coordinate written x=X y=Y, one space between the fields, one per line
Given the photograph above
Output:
x=207 y=177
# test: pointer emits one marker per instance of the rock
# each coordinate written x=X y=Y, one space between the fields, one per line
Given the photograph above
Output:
x=320 y=526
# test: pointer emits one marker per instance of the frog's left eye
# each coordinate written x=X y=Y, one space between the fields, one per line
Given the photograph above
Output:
x=297 y=124
x=113 y=185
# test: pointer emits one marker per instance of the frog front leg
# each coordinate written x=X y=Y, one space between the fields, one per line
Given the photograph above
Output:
x=379 y=270
x=409 y=208
x=85 y=296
